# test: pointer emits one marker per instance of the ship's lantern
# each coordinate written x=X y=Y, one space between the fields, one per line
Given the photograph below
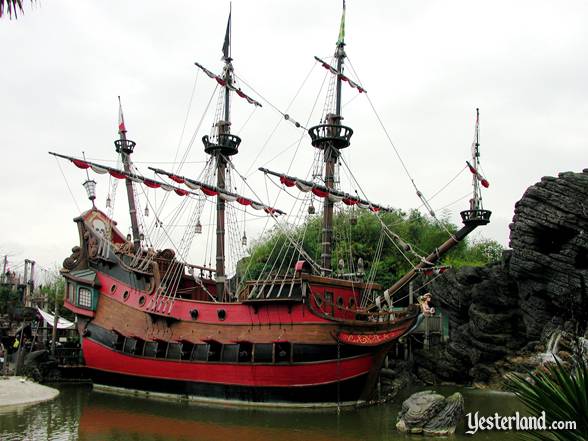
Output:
x=198 y=227
x=244 y=240
x=146 y=211
x=90 y=186
x=311 y=209
x=108 y=202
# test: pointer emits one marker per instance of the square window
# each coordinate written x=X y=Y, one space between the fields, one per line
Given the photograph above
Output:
x=85 y=297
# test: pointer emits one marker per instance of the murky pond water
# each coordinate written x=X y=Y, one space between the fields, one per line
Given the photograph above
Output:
x=82 y=414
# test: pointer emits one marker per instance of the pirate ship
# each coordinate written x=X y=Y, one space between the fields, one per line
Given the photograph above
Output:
x=300 y=332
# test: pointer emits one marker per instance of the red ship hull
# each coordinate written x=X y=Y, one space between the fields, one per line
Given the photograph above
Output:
x=312 y=346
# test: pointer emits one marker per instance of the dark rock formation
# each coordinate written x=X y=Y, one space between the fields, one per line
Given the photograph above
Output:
x=549 y=240
x=507 y=308
x=430 y=413
x=395 y=379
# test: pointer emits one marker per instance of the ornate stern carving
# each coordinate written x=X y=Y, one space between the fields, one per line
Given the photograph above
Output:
x=71 y=262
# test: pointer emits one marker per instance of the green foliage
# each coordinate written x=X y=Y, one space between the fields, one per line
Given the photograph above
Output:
x=562 y=394
x=361 y=240
x=8 y=298
x=55 y=290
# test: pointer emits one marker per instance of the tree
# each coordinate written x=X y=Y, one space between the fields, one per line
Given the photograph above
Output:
x=273 y=252
x=55 y=290
x=9 y=298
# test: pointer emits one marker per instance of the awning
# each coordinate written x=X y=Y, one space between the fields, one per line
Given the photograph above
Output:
x=50 y=318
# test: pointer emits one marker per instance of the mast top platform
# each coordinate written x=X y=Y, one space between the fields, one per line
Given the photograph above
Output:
x=331 y=134
x=224 y=143
x=475 y=217
x=125 y=146
x=335 y=135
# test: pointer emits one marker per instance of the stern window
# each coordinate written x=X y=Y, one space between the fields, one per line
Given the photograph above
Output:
x=85 y=297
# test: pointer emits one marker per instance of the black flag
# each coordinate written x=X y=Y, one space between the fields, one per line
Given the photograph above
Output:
x=227 y=42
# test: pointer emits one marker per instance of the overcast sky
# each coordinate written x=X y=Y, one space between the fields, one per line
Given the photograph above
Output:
x=425 y=64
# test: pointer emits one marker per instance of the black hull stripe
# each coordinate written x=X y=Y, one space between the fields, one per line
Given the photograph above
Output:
x=342 y=392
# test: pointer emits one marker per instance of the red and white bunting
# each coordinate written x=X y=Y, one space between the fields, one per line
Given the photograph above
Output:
x=244 y=201
x=324 y=192
x=99 y=170
x=152 y=183
x=80 y=164
x=177 y=179
x=227 y=197
x=117 y=174
x=208 y=191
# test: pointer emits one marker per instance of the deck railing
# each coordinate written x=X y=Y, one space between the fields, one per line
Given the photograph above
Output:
x=431 y=324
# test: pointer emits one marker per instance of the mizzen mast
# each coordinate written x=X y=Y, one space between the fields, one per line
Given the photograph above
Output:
x=125 y=147
x=331 y=137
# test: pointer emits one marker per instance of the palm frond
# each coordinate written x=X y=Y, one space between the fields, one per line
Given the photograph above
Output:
x=11 y=7
x=562 y=394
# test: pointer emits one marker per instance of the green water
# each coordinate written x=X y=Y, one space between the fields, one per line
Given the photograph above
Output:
x=82 y=414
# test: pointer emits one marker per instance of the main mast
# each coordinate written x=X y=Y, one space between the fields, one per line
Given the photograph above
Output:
x=125 y=147
x=220 y=145
x=331 y=137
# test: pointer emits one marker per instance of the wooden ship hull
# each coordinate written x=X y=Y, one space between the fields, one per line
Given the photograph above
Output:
x=306 y=343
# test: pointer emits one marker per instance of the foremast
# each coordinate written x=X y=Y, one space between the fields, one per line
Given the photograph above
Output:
x=331 y=137
x=125 y=147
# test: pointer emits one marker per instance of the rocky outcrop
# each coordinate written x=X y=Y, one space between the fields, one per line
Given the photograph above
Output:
x=512 y=307
x=429 y=413
x=549 y=241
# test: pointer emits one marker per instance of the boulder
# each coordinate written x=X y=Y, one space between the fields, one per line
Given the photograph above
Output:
x=430 y=413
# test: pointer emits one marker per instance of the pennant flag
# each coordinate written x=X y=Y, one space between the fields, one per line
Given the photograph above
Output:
x=227 y=43
x=342 y=27
x=121 y=120
x=478 y=176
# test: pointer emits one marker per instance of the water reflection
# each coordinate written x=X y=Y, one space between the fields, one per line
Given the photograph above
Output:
x=81 y=414
x=54 y=420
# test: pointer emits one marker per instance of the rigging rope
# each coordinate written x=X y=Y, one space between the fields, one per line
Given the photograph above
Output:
x=67 y=184
x=187 y=115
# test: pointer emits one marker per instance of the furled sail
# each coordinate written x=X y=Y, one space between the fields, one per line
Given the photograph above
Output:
x=211 y=190
x=222 y=82
x=208 y=190
x=343 y=77
x=322 y=191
